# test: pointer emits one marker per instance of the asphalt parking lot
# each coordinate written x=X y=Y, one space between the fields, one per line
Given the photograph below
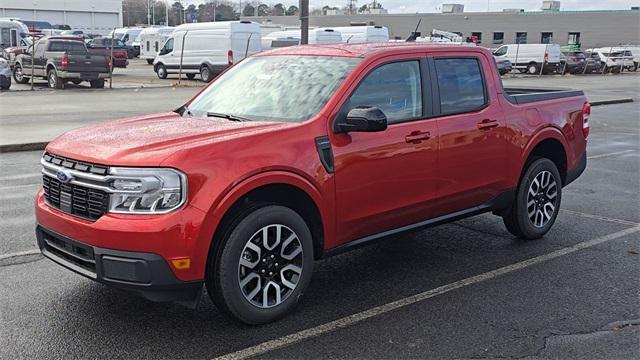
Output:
x=462 y=290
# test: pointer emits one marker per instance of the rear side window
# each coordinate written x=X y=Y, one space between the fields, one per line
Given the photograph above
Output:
x=394 y=88
x=67 y=46
x=461 y=85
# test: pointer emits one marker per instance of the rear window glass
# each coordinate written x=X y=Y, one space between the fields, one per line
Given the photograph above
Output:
x=67 y=46
x=461 y=85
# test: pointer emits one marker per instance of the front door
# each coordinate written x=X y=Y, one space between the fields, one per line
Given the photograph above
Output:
x=385 y=180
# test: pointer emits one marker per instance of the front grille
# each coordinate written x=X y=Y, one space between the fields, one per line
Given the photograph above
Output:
x=73 y=252
x=75 y=199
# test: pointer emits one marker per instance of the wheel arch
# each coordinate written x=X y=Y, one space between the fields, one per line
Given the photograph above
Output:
x=551 y=144
x=278 y=187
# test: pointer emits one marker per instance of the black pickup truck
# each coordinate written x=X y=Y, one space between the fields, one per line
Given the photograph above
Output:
x=60 y=60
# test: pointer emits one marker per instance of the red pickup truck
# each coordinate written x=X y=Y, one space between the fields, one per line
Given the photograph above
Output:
x=301 y=153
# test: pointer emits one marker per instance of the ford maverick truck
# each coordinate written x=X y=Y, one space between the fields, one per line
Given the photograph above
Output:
x=297 y=154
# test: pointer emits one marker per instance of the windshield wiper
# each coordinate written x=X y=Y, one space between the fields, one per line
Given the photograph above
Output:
x=228 y=116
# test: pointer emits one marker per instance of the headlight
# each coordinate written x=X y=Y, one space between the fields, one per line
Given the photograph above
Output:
x=146 y=190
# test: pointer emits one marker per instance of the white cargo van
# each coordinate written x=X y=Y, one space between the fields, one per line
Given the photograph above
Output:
x=151 y=40
x=127 y=35
x=292 y=37
x=209 y=48
x=363 y=34
x=531 y=58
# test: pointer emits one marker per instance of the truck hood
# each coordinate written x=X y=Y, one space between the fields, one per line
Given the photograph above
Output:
x=148 y=140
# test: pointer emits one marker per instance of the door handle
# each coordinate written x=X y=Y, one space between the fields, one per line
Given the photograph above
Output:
x=487 y=124
x=416 y=137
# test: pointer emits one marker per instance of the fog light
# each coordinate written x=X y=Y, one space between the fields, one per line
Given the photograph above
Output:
x=181 y=264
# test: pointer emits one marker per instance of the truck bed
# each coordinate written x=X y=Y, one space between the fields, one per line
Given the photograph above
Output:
x=528 y=95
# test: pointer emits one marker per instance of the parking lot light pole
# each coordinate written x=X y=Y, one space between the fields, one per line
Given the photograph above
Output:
x=113 y=33
x=33 y=51
x=304 y=21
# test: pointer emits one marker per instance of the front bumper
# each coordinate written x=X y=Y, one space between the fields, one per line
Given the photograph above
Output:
x=144 y=273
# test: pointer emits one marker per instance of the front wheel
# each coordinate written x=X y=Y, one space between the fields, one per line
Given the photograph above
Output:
x=97 y=84
x=18 y=75
x=537 y=202
x=161 y=70
x=264 y=265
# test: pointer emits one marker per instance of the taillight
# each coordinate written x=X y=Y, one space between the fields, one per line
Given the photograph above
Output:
x=230 y=57
x=573 y=58
x=586 y=111
x=64 y=62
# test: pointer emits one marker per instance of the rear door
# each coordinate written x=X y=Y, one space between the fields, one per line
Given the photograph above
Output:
x=385 y=180
x=473 y=139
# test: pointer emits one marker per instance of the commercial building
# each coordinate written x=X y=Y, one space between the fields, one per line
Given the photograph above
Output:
x=588 y=28
x=93 y=16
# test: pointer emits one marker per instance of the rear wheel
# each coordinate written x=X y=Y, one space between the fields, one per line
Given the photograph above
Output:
x=206 y=74
x=161 y=70
x=18 y=75
x=54 y=81
x=533 y=69
x=264 y=264
x=537 y=202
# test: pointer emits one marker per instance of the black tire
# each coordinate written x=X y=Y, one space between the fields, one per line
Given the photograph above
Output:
x=97 y=84
x=150 y=61
x=18 y=75
x=206 y=74
x=54 y=81
x=635 y=66
x=533 y=69
x=517 y=217
x=224 y=269
x=191 y=76
x=161 y=71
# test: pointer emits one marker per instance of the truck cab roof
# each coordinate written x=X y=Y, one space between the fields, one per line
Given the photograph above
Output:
x=365 y=49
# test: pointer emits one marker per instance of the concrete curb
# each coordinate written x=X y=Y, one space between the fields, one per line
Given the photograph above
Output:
x=611 y=102
x=41 y=145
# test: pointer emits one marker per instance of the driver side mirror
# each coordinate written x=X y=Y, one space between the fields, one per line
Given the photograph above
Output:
x=362 y=119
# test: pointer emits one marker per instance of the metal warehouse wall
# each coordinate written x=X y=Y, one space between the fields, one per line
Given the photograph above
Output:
x=98 y=16
x=596 y=28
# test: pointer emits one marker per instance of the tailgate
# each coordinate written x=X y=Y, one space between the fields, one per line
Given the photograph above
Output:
x=87 y=63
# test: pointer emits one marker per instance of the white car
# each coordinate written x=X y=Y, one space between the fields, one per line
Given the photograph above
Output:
x=615 y=59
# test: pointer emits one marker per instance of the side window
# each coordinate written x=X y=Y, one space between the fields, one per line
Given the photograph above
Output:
x=168 y=47
x=395 y=88
x=461 y=85
x=39 y=49
x=14 y=37
x=501 y=51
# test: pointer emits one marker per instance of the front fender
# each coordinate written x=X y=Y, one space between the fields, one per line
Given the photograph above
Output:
x=225 y=200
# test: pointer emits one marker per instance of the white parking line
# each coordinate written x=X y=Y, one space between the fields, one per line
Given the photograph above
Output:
x=602 y=218
x=610 y=154
x=379 y=310
x=20 y=253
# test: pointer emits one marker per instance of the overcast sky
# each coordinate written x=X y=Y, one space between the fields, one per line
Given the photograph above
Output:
x=412 y=6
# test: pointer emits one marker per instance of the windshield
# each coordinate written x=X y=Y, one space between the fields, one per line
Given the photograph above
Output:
x=280 y=88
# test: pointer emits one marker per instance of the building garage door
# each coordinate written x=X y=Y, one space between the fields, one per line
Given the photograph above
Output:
x=19 y=14
x=80 y=20
x=105 y=22
x=53 y=17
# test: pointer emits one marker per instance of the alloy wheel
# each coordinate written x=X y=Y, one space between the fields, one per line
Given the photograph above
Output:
x=270 y=266
x=52 y=79
x=18 y=74
x=542 y=198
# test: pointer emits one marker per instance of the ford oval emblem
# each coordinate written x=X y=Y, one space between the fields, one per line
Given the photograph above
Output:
x=64 y=176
